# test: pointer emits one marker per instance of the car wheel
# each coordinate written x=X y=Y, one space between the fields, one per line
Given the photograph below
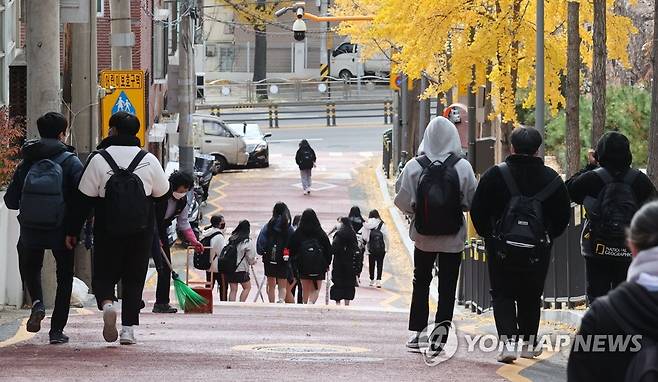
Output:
x=345 y=75
x=220 y=165
x=266 y=164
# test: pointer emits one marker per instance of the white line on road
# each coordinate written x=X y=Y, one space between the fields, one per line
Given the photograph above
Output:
x=294 y=140
x=335 y=154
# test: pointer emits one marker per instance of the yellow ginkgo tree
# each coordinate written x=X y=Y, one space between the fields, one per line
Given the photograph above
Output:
x=459 y=43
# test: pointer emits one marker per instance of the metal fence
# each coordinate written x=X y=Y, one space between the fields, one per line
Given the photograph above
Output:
x=565 y=282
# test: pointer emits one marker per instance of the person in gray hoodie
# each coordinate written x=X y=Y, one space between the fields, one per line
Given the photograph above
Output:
x=440 y=143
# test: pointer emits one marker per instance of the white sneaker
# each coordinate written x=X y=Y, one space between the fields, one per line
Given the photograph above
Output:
x=127 y=336
x=378 y=284
x=508 y=354
x=372 y=282
x=530 y=351
x=417 y=341
x=110 y=323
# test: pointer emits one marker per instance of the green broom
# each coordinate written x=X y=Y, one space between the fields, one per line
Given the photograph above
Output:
x=186 y=296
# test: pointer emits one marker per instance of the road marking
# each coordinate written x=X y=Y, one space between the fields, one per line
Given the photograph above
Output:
x=21 y=335
x=295 y=140
x=300 y=348
x=512 y=371
x=336 y=154
x=367 y=154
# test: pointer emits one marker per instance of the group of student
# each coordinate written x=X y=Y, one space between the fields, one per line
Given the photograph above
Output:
x=519 y=207
x=296 y=254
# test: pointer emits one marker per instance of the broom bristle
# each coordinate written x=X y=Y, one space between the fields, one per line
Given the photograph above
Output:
x=186 y=296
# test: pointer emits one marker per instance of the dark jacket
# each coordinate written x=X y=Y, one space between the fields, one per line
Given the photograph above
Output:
x=295 y=243
x=32 y=152
x=347 y=258
x=163 y=222
x=271 y=232
x=614 y=155
x=531 y=175
x=299 y=156
x=630 y=309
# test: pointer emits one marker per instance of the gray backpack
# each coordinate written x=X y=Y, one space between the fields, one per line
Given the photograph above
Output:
x=42 y=203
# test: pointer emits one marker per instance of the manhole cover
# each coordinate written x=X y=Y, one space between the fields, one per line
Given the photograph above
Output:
x=300 y=348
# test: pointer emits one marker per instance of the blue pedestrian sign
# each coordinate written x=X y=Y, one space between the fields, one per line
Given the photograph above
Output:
x=123 y=104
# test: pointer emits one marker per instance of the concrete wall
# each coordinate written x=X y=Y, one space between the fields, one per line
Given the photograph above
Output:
x=11 y=288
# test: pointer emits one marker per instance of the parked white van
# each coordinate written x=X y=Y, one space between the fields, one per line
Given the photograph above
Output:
x=213 y=137
x=345 y=63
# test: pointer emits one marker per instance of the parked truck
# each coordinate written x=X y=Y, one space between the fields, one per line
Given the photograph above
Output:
x=346 y=63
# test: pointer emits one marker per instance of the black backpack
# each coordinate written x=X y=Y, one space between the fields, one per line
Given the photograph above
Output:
x=644 y=365
x=306 y=161
x=201 y=260
x=610 y=214
x=376 y=243
x=127 y=208
x=438 y=200
x=42 y=204
x=228 y=259
x=275 y=247
x=521 y=231
x=313 y=262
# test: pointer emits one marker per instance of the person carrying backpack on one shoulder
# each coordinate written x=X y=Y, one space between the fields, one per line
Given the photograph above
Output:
x=41 y=189
x=174 y=206
x=519 y=207
x=120 y=183
x=630 y=311
x=347 y=263
x=310 y=252
x=611 y=192
x=375 y=239
x=305 y=159
x=238 y=255
x=435 y=189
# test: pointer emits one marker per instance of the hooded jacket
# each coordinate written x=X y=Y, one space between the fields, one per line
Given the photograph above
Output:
x=630 y=309
x=34 y=151
x=347 y=259
x=614 y=154
x=440 y=140
x=371 y=224
x=304 y=146
x=216 y=245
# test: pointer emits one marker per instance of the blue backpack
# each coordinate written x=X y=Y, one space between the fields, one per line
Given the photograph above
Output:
x=42 y=204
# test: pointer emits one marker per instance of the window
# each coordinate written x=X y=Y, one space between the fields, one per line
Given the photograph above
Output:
x=344 y=48
x=215 y=129
x=226 y=58
x=160 y=44
x=100 y=8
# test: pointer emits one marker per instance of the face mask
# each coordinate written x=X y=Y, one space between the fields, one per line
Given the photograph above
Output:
x=178 y=195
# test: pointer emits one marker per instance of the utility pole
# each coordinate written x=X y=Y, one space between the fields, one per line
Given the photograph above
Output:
x=539 y=103
x=84 y=104
x=122 y=39
x=42 y=56
x=424 y=108
x=324 y=28
x=185 y=89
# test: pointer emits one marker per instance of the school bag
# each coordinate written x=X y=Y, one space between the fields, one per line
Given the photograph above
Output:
x=274 y=253
x=201 y=260
x=521 y=231
x=313 y=262
x=126 y=205
x=376 y=243
x=438 y=200
x=42 y=204
x=644 y=365
x=610 y=214
x=306 y=161
x=228 y=258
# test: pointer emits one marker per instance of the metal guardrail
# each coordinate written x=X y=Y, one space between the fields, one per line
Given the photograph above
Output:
x=276 y=113
x=565 y=284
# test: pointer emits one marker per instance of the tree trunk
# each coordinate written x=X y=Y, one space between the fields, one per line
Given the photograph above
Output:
x=506 y=128
x=260 y=54
x=598 y=71
x=652 y=168
x=573 y=88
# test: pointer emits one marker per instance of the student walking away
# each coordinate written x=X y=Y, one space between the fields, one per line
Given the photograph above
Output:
x=238 y=255
x=310 y=251
x=435 y=189
x=119 y=183
x=519 y=207
x=611 y=192
x=629 y=310
x=347 y=263
x=305 y=159
x=356 y=219
x=174 y=206
x=41 y=189
x=213 y=240
x=297 y=288
x=272 y=241
x=375 y=240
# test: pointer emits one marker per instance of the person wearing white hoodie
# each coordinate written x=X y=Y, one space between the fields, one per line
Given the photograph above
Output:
x=630 y=310
x=214 y=236
x=440 y=144
x=375 y=260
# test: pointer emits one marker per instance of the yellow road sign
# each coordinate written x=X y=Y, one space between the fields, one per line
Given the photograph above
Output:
x=128 y=96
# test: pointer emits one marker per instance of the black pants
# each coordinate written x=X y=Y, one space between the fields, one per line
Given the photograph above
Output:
x=222 y=285
x=125 y=259
x=164 y=272
x=603 y=275
x=516 y=297
x=375 y=261
x=448 y=274
x=30 y=262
